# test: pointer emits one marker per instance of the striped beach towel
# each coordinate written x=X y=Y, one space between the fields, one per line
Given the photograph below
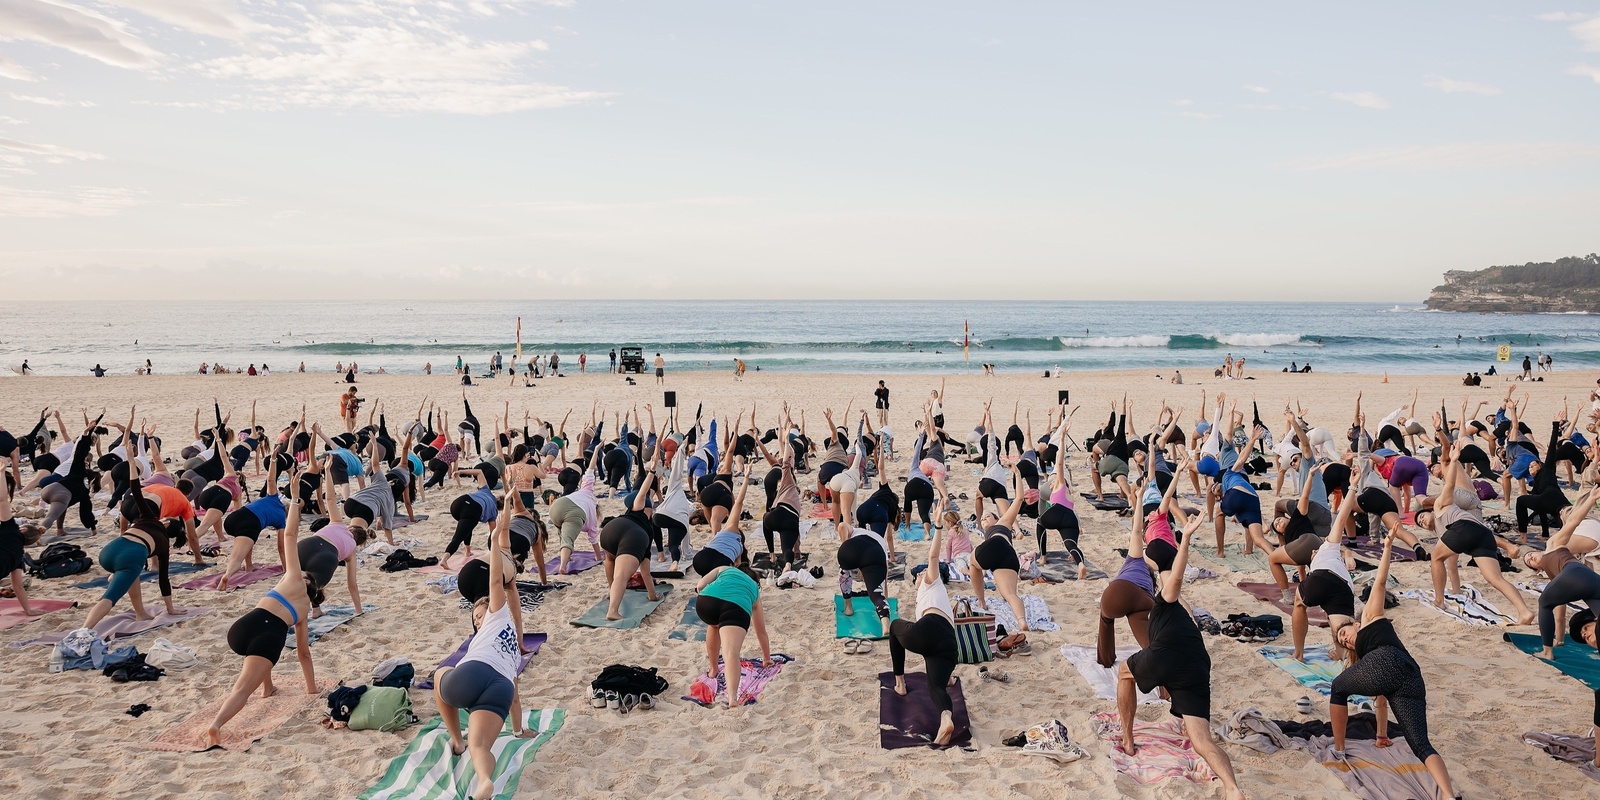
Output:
x=426 y=770
x=1164 y=750
x=1467 y=605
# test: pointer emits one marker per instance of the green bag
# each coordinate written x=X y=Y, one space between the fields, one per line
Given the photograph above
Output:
x=973 y=635
x=382 y=708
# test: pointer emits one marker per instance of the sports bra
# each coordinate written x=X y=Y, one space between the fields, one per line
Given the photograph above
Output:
x=293 y=614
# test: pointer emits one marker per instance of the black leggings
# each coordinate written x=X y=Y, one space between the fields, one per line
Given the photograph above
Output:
x=1473 y=456
x=769 y=484
x=1575 y=583
x=864 y=553
x=119 y=483
x=318 y=558
x=472 y=424
x=933 y=638
x=1014 y=434
x=436 y=471
x=1063 y=519
x=1390 y=672
x=921 y=492
x=466 y=511
x=1390 y=433
x=786 y=522
x=1548 y=503
x=676 y=533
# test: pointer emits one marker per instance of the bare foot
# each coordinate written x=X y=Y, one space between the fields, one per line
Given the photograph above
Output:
x=848 y=611
x=140 y=615
x=1236 y=794
x=484 y=791
x=900 y=685
x=1083 y=571
x=34 y=612
x=1526 y=619
x=457 y=747
x=654 y=598
x=1300 y=657
x=947 y=731
x=213 y=736
x=613 y=617
x=1129 y=747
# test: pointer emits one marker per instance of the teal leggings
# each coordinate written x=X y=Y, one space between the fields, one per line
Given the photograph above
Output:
x=125 y=559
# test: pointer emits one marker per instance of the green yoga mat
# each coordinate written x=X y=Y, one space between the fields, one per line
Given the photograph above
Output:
x=636 y=605
x=1234 y=558
x=690 y=628
x=863 y=623
x=1575 y=658
x=425 y=770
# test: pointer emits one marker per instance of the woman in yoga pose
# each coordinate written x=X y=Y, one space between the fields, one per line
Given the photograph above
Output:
x=1131 y=595
x=472 y=508
x=997 y=555
x=726 y=547
x=484 y=682
x=259 y=635
x=729 y=604
x=1328 y=584
x=1571 y=581
x=932 y=635
x=329 y=546
x=783 y=517
x=245 y=524
x=626 y=542
x=1060 y=516
x=672 y=515
x=1460 y=513
x=1384 y=670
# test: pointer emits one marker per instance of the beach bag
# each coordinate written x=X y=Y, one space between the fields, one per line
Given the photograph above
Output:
x=60 y=560
x=975 y=635
x=382 y=708
x=395 y=672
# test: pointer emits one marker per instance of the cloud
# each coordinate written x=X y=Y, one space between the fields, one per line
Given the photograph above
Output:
x=1183 y=102
x=1194 y=114
x=219 y=18
x=1449 y=86
x=14 y=71
x=53 y=102
x=1464 y=155
x=1250 y=87
x=79 y=201
x=1363 y=99
x=1585 y=70
x=50 y=153
x=76 y=29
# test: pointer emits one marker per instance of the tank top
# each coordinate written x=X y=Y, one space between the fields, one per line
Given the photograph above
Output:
x=270 y=511
x=1157 y=527
x=496 y=644
x=341 y=538
x=932 y=596
x=1061 y=496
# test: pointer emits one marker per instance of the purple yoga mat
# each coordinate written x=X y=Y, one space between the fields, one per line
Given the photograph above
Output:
x=912 y=721
x=531 y=641
x=213 y=581
x=580 y=561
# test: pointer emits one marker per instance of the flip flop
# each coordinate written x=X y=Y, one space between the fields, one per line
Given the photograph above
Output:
x=864 y=648
x=851 y=646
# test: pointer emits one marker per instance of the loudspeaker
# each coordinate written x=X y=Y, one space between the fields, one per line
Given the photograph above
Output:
x=1061 y=397
x=670 y=399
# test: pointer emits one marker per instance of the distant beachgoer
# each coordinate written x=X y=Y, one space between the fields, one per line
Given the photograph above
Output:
x=583 y=362
x=613 y=367
x=98 y=371
x=661 y=369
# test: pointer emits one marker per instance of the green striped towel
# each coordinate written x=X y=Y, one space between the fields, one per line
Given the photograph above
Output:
x=427 y=771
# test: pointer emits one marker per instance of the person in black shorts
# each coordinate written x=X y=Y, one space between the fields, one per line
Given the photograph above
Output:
x=626 y=542
x=997 y=555
x=1176 y=661
x=882 y=395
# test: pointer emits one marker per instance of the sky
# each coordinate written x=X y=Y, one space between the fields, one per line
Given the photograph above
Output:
x=193 y=150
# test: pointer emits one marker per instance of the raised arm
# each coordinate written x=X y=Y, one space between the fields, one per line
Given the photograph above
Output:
x=1172 y=584
x=1374 y=607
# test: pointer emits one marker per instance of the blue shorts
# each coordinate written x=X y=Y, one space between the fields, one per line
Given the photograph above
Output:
x=1242 y=505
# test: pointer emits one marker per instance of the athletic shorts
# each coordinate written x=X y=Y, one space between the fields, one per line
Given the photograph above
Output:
x=242 y=522
x=992 y=489
x=215 y=498
x=1377 y=502
x=1186 y=677
x=719 y=612
x=1469 y=538
x=476 y=686
x=1304 y=548
x=1112 y=467
x=706 y=559
x=997 y=553
x=844 y=483
x=1242 y=505
x=1329 y=591
x=1162 y=552
x=624 y=537
x=259 y=633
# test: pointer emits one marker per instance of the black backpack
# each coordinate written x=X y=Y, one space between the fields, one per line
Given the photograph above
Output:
x=629 y=680
x=59 y=560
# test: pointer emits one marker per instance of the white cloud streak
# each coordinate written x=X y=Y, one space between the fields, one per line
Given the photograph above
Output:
x=1457 y=156
x=1450 y=86
x=219 y=18
x=1250 y=87
x=1585 y=71
x=1362 y=99
x=12 y=70
x=76 y=29
x=53 y=154
x=53 y=102
x=80 y=201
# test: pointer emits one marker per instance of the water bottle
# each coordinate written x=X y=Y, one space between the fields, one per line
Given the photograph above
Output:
x=56 y=664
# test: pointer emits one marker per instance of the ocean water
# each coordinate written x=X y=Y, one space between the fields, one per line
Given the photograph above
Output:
x=858 y=337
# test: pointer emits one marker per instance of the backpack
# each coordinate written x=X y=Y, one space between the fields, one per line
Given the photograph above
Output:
x=401 y=560
x=629 y=680
x=382 y=708
x=59 y=560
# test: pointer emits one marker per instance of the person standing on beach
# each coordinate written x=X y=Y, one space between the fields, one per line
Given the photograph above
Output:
x=1527 y=369
x=661 y=369
x=583 y=363
x=613 y=367
x=882 y=395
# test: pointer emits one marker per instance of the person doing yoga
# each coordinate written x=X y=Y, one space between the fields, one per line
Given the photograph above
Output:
x=932 y=635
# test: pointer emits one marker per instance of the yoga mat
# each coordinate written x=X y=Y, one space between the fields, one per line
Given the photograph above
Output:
x=530 y=642
x=1575 y=749
x=1111 y=502
x=1283 y=600
x=913 y=720
x=752 y=679
x=123 y=626
x=1468 y=605
x=1317 y=672
x=1373 y=550
x=173 y=568
x=1233 y=558
x=1057 y=567
x=1575 y=658
x=636 y=605
x=581 y=560
x=214 y=582
x=1375 y=773
x=258 y=718
x=426 y=770
x=451 y=564
x=1164 y=750
x=912 y=533
x=11 y=611
x=863 y=622
x=332 y=617
x=690 y=628
x=1101 y=679
x=400 y=520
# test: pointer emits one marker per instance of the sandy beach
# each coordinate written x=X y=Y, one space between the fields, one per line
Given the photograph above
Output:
x=815 y=728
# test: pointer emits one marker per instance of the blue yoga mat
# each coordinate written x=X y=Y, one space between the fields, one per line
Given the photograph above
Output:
x=1574 y=658
x=863 y=623
x=173 y=568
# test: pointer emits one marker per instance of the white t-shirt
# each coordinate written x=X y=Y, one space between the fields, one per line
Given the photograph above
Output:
x=932 y=595
x=1329 y=558
x=64 y=455
x=496 y=643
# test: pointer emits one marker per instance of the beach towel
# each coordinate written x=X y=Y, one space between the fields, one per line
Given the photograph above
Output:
x=1233 y=558
x=1164 y=750
x=1033 y=607
x=1058 y=567
x=214 y=582
x=1317 y=672
x=912 y=533
x=1372 y=550
x=1102 y=680
x=258 y=718
x=1283 y=600
x=913 y=720
x=530 y=642
x=1467 y=605
x=1111 y=502
x=123 y=626
x=1248 y=727
x=752 y=679
x=400 y=521
x=426 y=770
x=11 y=611
x=821 y=512
x=863 y=622
x=332 y=617
x=1571 y=748
x=530 y=595
x=173 y=568
x=580 y=561
x=1375 y=773
x=1575 y=658
x=636 y=605
x=690 y=628
x=452 y=565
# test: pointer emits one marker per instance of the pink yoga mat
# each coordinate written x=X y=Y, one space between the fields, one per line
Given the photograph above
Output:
x=11 y=611
x=1283 y=599
x=452 y=564
x=258 y=718
x=213 y=582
